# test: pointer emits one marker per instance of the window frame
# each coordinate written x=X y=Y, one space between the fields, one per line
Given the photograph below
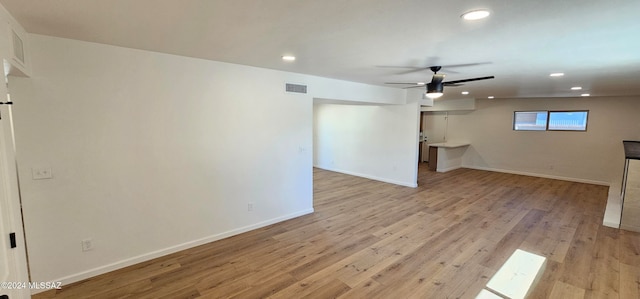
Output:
x=530 y=111
x=549 y=112
x=586 y=121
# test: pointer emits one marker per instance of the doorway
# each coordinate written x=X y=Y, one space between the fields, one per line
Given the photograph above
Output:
x=13 y=258
x=433 y=129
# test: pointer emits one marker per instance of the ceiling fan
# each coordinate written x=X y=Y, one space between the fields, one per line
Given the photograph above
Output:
x=435 y=88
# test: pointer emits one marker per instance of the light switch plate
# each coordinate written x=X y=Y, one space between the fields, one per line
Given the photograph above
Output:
x=41 y=173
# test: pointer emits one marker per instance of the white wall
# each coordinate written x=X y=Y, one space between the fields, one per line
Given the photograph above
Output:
x=595 y=156
x=332 y=89
x=451 y=105
x=152 y=153
x=376 y=142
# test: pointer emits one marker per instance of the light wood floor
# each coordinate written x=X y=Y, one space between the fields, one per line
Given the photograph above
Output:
x=368 y=239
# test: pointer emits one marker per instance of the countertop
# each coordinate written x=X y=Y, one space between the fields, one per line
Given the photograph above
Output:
x=449 y=144
x=631 y=149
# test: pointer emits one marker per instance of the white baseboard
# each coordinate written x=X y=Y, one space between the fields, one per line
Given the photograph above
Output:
x=162 y=252
x=540 y=175
x=448 y=169
x=371 y=177
x=613 y=212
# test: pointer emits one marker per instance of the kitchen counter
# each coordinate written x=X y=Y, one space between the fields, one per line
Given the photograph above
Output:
x=631 y=149
x=446 y=156
x=449 y=144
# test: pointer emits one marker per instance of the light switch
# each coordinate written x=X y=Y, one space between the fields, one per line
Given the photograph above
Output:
x=41 y=173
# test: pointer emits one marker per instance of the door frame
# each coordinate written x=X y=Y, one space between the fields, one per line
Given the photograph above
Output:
x=14 y=260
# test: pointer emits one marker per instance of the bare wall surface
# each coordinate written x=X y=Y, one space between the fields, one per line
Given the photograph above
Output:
x=151 y=153
x=594 y=156
x=377 y=142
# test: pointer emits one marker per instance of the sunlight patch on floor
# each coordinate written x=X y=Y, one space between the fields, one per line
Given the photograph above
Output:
x=515 y=277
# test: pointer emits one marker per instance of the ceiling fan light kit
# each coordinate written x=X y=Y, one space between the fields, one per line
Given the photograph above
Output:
x=433 y=95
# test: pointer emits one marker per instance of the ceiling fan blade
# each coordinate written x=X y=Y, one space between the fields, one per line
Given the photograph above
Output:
x=452 y=84
x=412 y=83
x=414 y=70
x=469 y=80
x=398 y=67
x=464 y=65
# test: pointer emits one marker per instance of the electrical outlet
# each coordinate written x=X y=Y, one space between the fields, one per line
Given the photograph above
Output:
x=250 y=207
x=41 y=173
x=87 y=244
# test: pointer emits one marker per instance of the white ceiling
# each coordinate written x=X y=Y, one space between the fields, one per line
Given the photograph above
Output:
x=596 y=43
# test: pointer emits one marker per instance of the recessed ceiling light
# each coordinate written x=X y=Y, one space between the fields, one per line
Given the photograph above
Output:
x=490 y=97
x=475 y=14
x=421 y=83
x=465 y=92
x=585 y=95
x=576 y=88
x=556 y=74
x=288 y=58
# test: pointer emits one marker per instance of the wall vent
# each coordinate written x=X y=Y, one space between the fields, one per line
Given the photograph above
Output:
x=295 y=88
x=18 y=47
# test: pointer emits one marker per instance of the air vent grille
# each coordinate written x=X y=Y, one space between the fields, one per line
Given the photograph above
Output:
x=18 y=47
x=295 y=88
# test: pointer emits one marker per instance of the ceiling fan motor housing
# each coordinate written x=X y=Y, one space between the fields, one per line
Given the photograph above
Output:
x=435 y=87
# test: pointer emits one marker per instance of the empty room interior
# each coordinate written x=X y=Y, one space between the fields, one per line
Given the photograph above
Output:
x=320 y=149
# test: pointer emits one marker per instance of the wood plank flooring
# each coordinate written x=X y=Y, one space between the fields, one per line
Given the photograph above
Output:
x=367 y=239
